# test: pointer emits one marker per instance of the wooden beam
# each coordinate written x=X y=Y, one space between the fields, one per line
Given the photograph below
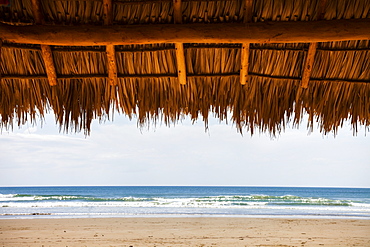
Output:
x=179 y=47
x=177 y=11
x=49 y=64
x=112 y=65
x=110 y=49
x=321 y=9
x=244 y=64
x=310 y=57
x=181 y=66
x=46 y=52
x=248 y=11
x=308 y=64
x=260 y=32
x=108 y=12
x=38 y=15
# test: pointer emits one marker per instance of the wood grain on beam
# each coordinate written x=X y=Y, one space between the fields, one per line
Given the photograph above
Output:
x=179 y=47
x=49 y=64
x=46 y=52
x=260 y=32
x=38 y=15
x=177 y=11
x=248 y=11
x=321 y=9
x=108 y=12
x=244 y=64
x=310 y=57
x=112 y=65
x=181 y=66
x=110 y=49
x=308 y=64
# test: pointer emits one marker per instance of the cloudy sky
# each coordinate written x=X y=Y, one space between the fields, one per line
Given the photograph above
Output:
x=119 y=153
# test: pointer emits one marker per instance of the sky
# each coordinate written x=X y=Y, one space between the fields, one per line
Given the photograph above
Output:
x=120 y=153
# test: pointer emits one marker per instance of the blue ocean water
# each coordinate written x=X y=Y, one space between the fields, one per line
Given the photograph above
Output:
x=183 y=201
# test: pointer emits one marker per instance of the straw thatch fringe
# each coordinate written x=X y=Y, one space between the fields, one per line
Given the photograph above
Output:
x=330 y=104
x=23 y=101
x=264 y=104
x=77 y=102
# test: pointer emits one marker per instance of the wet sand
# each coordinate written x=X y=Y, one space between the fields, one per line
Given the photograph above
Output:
x=184 y=232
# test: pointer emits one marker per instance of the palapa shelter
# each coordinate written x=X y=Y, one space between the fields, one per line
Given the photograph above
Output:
x=265 y=62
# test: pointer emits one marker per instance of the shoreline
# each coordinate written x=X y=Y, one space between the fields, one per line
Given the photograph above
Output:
x=184 y=231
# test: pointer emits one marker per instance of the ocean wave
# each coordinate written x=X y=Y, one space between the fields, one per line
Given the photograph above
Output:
x=28 y=200
x=26 y=197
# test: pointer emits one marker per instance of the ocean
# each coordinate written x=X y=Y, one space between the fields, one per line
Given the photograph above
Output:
x=183 y=201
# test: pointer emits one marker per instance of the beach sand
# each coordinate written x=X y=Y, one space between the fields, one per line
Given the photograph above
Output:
x=184 y=232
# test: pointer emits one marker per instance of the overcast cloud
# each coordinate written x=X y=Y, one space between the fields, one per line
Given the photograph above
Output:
x=119 y=153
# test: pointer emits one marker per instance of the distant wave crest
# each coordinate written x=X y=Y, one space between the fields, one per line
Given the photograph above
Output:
x=26 y=200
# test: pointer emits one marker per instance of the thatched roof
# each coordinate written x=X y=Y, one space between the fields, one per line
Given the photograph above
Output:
x=172 y=64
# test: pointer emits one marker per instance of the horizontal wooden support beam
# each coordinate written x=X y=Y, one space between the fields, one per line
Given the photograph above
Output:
x=260 y=32
x=167 y=76
x=102 y=49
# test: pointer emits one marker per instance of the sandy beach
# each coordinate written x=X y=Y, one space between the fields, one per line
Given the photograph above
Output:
x=184 y=232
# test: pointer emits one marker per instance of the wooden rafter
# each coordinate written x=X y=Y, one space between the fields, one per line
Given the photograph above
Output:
x=310 y=58
x=37 y=12
x=112 y=65
x=110 y=49
x=181 y=66
x=322 y=4
x=244 y=63
x=179 y=47
x=49 y=64
x=248 y=11
x=108 y=12
x=260 y=32
x=177 y=11
x=46 y=52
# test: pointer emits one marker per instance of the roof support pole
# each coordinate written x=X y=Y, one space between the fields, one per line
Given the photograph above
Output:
x=244 y=78
x=179 y=46
x=307 y=69
x=110 y=49
x=47 y=55
x=181 y=66
x=37 y=12
x=248 y=11
x=108 y=12
x=177 y=11
x=46 y=52
x=310 y=58
x=244 y=65
x=112 y=65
